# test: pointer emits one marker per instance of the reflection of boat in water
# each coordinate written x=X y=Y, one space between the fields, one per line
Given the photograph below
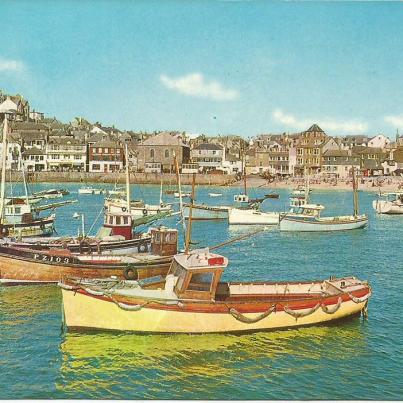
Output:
x=191 y=299
x=178 y=358
x=391 y=204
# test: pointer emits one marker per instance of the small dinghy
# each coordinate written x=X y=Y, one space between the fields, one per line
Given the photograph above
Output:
x=215 y=194
x=193 y=299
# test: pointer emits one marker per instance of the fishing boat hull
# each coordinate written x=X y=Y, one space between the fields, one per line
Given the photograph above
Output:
x=252 y=217
x=387 y=207
x=323 y=224
x=145 y=210
x=85 y=309
x=204 y=212
x=25 y=266
x=137 y=245
x=35 y=228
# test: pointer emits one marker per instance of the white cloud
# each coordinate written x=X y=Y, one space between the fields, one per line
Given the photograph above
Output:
x=395 y=121
x=326 y=124
x=195 y=85
x=7 y=65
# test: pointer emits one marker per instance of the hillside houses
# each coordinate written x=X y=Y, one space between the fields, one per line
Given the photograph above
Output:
x=46 y=144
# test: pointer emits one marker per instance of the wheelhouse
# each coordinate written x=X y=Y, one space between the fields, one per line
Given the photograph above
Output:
x=308 y=210
x=198 y=274
x=164 y=241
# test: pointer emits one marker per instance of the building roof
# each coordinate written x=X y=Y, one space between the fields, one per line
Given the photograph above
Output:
x=164 y=139
x=29 y=126
x=336 y=153
x=66 y=140
x=33 y=151
x=107 y=144
x=208 y=146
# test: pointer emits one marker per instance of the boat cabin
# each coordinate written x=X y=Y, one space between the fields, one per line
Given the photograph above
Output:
x=16 y=210
x=198 y=274
x=119 y=223
x=308 y=210
x=164 y=241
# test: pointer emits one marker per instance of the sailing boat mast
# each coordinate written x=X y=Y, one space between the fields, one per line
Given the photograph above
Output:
x=178 y=179
x=355 y=194
x=243 y=169
x=189 y=225
x=127 y=178
x=3 y=168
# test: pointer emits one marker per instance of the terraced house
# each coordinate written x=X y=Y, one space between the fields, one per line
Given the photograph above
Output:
x=66 y=154
x=106 y=156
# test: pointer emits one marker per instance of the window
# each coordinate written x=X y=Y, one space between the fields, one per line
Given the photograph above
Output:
x=96 y=167
x=214 y=151
x=152 y=153
x=200 y=282
x=100 y=150
x=118 y=151
x=18 y=210
x=166 y=153
x=106 y=150
x=94 y=150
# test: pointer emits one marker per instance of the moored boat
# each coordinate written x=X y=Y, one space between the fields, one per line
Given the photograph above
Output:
x=22 y=265
x=193 y=299
x=206 y=212
x=251 y=216
x=392 y=203
x=215 y=194
x=89 y=190
x=306 y=217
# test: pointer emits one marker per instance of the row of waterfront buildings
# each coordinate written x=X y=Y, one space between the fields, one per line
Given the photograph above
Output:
x=46 y=144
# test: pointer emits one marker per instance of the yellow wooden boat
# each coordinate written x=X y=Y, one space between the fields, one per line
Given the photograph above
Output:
x=192 y=299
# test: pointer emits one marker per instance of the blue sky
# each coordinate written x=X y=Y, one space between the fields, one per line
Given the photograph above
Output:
x=229 y=67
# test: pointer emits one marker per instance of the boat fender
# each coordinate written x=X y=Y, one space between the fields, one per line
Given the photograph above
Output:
x=124 y=209
x=85 y=248
x=297 y=315
x=330 y=311
x=145 y=212
x=359 y=300
x=142 y=247
x=242 y=318
x=67 y=287
x=93 y=292
x=127 y=307
x=130 y=273
x=5 y=231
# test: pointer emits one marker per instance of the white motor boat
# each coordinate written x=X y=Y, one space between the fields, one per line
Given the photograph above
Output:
x=391 y=204
x=88 y=190
x=249 y=216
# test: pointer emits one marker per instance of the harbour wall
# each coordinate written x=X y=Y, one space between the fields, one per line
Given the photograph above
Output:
x=140 y=178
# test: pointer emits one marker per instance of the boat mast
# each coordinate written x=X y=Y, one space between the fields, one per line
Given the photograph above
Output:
x=178 y=179
x=189 y=226
x=244 y=169
x=161 y=203
x=25 y=183
x=355 y=195
x=3 y=168
x=127 y=179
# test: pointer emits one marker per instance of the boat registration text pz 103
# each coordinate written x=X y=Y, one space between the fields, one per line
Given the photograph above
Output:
x=52 y=259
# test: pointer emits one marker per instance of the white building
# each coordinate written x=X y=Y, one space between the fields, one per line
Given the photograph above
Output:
x=379 y=141
x=34 y=160
x=209 y=156
x=66 y=154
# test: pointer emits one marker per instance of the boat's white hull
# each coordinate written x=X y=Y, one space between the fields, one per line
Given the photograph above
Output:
x=324 y=224
x=204 y=212
x=252 y=217
x=86 y=191
x=387 y=207
x=138 y=212
x=86 y=312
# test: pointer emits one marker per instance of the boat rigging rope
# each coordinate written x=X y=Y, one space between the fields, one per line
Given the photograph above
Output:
x=240 y=238
x=359 y=300
x=96 y=220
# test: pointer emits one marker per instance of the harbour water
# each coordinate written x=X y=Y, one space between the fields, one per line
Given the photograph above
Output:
x=356 y=359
